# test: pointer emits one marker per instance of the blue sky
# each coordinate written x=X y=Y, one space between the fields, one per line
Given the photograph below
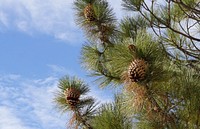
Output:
x=39 y=43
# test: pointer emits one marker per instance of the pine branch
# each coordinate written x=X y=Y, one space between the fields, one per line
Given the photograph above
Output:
x=97 y=20
x=69 y=98
x=167 y=26
x=170 y=118
x=79 y=118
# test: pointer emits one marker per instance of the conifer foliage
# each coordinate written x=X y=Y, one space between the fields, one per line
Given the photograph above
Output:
x=153 y=56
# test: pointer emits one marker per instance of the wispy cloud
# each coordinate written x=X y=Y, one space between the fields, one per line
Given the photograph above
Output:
x=9 y=120
x=9 y=77
x=49 y=17
x=3 y=19
x=60 y=70
x=28 y=103
x=55 y=18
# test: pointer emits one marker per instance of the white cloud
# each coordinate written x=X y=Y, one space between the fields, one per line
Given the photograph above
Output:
x=9 y=77
x=55 y=18
x=9 y=120
x=3 y=19
x=39 y=95
x=32 y=16
x=28 y=103
x=23 y=26
x=60 y=70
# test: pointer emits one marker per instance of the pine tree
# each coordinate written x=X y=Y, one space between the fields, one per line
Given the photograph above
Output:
x=153 y=56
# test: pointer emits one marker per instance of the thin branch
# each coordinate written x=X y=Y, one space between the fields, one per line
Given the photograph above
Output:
x=169 y=13
x=167 y=26
x=187 y=7
x=81 y=120
x=182 y=27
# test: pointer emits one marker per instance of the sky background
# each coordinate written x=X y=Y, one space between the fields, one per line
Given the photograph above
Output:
x=39 y=43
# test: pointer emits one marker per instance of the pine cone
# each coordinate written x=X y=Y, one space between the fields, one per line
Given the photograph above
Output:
x=72 y=96
x=137 y=70
x=89 y=13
